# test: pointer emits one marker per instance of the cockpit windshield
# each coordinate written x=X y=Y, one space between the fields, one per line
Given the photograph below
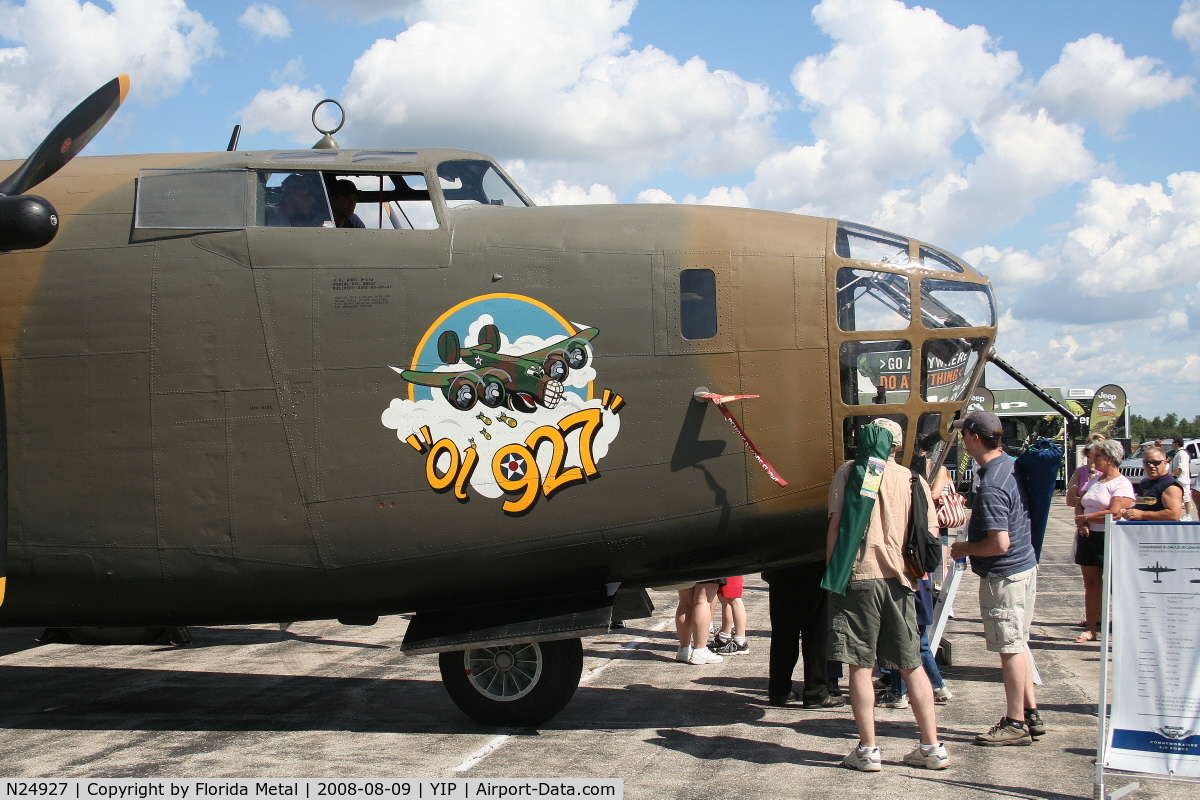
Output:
x=870 y=244
x=476 y=182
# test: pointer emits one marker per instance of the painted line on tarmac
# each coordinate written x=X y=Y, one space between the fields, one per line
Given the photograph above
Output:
x=496 y=742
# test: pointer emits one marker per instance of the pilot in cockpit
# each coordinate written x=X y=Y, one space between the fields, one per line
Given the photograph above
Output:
x=301 y=204
x=343 y=197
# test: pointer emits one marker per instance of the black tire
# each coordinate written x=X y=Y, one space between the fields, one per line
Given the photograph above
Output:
x=534 y=693
x=577 y=356
x=492 y=393
x=556 y=368
x=463 y=394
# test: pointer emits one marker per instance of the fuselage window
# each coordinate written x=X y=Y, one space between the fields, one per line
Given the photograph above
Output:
x=697 y=304
x=474 y=183
x=953 y=304
x=390 y=202
x=869 y=244
x=872 y=301
x=936 y=259
x=196 y=199
x=292 y=200
x=850 y=426
x=875 y=372
x=947 y=366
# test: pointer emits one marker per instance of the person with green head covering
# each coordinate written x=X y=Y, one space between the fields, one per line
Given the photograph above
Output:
x=873 y=614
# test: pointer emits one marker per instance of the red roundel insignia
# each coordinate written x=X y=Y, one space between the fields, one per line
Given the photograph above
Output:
x=66 y=145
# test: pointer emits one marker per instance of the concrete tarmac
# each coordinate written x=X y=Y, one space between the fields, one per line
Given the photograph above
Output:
x=324 y=700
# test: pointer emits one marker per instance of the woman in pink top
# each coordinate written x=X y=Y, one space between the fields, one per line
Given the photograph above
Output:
x=1110 y=493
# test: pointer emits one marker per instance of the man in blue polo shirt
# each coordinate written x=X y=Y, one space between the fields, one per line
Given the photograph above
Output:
x=1001 y=552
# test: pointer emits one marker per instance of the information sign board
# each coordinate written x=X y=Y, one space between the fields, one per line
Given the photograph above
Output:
x=1154 y=723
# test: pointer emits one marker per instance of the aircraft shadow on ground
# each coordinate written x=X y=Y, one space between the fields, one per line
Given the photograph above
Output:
x=97 y=698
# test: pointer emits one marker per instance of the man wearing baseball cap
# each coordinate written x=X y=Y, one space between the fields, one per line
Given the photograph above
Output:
x=1001 y=552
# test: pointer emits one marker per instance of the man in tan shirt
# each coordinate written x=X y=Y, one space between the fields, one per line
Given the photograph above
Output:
x=876 y=618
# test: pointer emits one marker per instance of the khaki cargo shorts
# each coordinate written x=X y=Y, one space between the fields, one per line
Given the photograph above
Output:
x=875 y=619
x=1006 y=605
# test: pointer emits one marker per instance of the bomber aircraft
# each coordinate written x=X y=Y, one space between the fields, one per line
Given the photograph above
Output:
x=204 y=425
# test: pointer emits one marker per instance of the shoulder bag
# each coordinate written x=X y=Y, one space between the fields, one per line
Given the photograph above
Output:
x=951 y=509
x=922 y=550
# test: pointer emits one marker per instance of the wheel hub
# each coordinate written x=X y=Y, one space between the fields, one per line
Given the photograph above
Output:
x=504 y=673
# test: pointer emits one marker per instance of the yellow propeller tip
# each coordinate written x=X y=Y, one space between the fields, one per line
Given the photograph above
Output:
x=124 y=81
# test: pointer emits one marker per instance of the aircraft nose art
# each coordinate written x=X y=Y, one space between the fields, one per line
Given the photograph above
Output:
x=513 y=410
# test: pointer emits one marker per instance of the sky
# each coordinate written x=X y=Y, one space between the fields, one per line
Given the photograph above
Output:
x=1052 y=145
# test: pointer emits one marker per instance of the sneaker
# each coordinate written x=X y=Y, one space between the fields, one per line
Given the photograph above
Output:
x=864 y=759
x=683 y=654
x=718 y=641
x=935 y=758
x=828 y=702
x=783 y=700
x=889 y=700
x=943 y=695
x=702 y=655
x=1033 y=722
x=1004 y=732
x=731 y=648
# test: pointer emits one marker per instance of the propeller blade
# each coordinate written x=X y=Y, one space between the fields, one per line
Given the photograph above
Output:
x=68 y=137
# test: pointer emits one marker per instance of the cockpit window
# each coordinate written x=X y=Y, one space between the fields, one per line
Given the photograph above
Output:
x=947 y=366
x=395 y=201
x=869 y=244
x=292 y=200
x=875 y=372
x=192 y=199
x=466 y=183
x=953 y=304
x=872 y=301
x=936 y=259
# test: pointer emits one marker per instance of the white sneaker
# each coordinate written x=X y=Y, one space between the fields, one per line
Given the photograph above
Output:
x=943 y=695
x=683 y=654
x=702 y=655
x=936 y=758
x=864 y=759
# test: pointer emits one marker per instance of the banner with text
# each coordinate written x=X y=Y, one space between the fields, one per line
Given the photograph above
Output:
x=1108 y=406
x=1154 y=724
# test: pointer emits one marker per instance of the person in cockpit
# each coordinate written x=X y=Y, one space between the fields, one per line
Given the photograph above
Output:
x=343 y=197
x=301 y=204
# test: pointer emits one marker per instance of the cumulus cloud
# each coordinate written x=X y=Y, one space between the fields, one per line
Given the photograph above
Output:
x=265 y=22
x=654 y=196
x=68 y=49
x=560 y=194
x=892 y=100
x=721 y=196
x=288 y=109
x=367 y=11
x=1136 y=244
x=462 y=75
x=1095 y=80
x=1187 y=24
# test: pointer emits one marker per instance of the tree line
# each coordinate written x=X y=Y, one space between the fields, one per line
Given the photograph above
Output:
x=1168 y=427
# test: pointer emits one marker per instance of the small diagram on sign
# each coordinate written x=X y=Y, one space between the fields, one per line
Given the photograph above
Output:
x=1158 y=570
x=1194 y=580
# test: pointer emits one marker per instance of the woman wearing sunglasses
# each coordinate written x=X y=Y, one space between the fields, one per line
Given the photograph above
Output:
x=1159 y=497
x=1108 y=493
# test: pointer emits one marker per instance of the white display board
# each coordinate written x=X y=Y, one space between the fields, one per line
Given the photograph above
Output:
x=1154 y=722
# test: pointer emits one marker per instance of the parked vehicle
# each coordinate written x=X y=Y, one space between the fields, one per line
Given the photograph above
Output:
x=1132 y=467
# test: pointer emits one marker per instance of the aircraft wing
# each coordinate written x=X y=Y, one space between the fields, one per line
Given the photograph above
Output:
x=438 y=380
x=587 y=334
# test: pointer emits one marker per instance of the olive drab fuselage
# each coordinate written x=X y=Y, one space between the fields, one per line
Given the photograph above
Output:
x=215 y=419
